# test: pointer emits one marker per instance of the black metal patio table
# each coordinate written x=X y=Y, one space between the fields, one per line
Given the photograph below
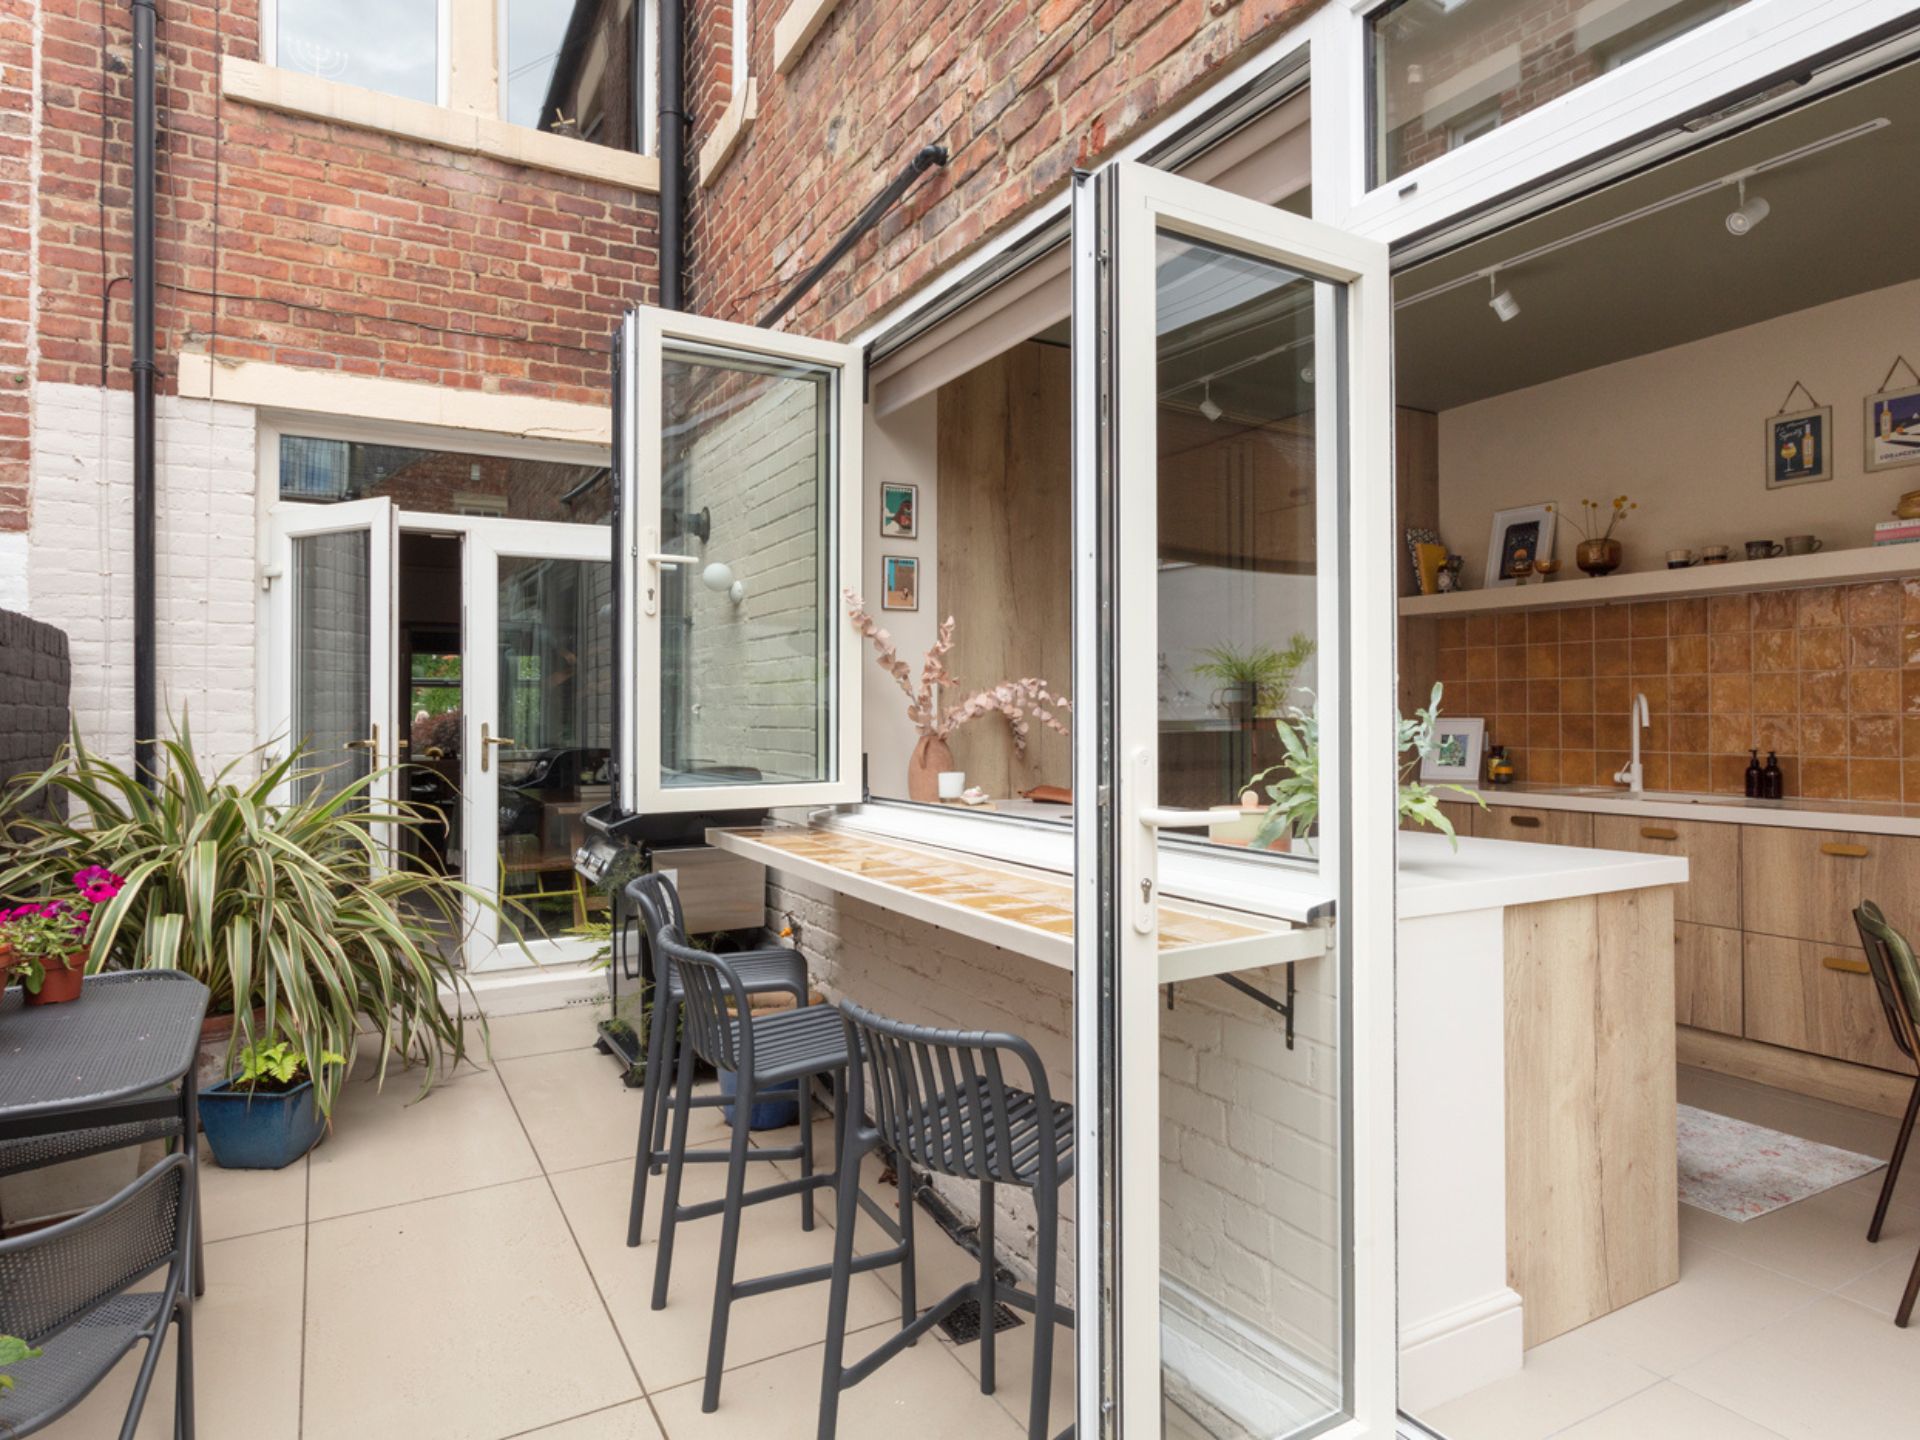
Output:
x=111 y=1069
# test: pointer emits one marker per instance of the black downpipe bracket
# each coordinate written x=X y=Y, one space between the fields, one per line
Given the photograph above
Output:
x=145 y=687
x=926 y=159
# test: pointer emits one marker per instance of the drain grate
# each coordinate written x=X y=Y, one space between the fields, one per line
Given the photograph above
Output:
x=963 y=1323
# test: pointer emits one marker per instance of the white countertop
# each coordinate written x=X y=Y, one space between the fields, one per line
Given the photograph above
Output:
x=1435 y=879
x=1861 y=816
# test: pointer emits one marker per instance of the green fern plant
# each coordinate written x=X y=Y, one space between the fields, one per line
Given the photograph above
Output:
x=1268 y=672
x=300 y=908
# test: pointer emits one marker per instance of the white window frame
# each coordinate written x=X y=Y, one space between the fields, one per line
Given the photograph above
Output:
x=647 y=333
x=442 y=44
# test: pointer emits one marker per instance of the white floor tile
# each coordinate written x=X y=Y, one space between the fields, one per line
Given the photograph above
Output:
x=1667 y=1412
x=246 y=1202
x=543 y=1032
x=632 y=1421
x=466 y=1317
x=1821 y=1241
x=1565 y=1381
x=394 y=1146
x=1835 y=1369
x=1880 y=1288
x=579 y=1113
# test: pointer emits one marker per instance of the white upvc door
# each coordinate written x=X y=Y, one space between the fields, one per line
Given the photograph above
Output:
x=330 y=586
x=740 y=526
x=536 y=732
x=1195 y=310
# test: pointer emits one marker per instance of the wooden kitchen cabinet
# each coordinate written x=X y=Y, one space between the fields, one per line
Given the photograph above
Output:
x=1818 y=998
x=1711 y=895
x=1806 y=884
x=1535 y=827
x=1707 y=976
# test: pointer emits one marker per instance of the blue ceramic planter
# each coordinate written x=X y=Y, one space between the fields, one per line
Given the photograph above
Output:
x=262 y=1131
x=774 y=1114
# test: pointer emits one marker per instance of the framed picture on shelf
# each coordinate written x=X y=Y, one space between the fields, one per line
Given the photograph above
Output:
x=900 y=587
x=1893 y=429
x=1799 y=448
x=1456 y=750
x=1518 y=537
x=899 y=512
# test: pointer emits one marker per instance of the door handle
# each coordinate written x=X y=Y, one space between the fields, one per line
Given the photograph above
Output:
x=371 y=743
x=487 y=742
x=657 y=559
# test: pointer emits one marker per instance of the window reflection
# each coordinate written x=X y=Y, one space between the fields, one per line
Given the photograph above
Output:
x=392 y=46
x=449 y=482
x=567 y=67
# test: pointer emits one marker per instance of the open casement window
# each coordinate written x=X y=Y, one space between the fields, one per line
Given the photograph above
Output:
x=739 y=515
x=332 y=589
x=1208 y=325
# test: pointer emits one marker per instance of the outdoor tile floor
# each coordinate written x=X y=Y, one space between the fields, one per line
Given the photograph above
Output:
x=1780 y=1328
x=456 y=1269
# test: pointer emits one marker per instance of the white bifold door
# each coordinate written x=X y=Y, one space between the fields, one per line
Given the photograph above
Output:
x=1232 y=501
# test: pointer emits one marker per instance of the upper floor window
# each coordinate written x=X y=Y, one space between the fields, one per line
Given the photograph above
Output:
x=1448 y=71
x=397 y=47
x=568 y=67
x=575 y=68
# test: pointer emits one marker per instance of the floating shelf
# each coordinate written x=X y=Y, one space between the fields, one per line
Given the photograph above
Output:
x=1783 y=572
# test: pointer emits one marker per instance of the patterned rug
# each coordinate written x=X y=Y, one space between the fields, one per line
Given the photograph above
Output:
x=1737 y=1170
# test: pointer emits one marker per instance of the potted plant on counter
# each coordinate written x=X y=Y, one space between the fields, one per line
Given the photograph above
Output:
x=46 y=940
x=265 y=1117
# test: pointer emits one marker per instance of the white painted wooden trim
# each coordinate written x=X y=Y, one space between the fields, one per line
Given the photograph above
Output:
x=461 y=130
x=795 y=29
x=294 y=388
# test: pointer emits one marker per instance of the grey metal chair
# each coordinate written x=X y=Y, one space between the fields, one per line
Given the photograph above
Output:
x=941 y=1101
x=762 y=1052
x=777 y=970
x=1896 y=974
x=68 y=1290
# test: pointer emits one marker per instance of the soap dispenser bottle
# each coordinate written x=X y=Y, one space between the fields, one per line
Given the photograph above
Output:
x=1773 y=783
x=1754 y=781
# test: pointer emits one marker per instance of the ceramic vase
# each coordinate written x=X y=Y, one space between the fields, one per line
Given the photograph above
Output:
x=929 y=758
x=1599 y=557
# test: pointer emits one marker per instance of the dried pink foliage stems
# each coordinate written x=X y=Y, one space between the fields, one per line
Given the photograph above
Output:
x=1015 y=699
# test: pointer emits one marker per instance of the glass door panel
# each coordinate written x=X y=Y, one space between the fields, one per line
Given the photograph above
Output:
x=1234 y=1145
x=333 y=620
x=540 y=682
x=742 y=500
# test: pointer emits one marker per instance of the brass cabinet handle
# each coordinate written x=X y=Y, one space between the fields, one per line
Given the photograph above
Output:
x=1525 y=822
x=1845 y=852
x=1846 y=966
x=1658 y=832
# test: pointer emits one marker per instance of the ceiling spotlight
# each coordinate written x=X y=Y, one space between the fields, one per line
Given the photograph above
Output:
x=1208 y=407
x=1750 y=213
x=1503 y=304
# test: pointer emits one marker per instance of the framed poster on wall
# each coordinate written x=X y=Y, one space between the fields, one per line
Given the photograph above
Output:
x=1518 y=537
x=1893 y=429
x=1799 y=449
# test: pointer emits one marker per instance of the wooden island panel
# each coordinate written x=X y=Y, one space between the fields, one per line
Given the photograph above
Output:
x=1593 y=1218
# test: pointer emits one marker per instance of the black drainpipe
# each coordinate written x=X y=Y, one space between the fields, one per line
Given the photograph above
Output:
x=673 y=139
x=145 y=688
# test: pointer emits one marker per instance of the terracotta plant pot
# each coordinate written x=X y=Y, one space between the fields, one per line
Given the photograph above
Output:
x=1599 y=557
x=929 y=758
x=62 y=981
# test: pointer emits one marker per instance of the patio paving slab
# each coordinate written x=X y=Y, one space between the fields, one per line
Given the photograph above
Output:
x=544 y=1032
x=579 y=1114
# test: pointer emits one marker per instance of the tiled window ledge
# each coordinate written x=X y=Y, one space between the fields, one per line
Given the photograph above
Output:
x=292 y=93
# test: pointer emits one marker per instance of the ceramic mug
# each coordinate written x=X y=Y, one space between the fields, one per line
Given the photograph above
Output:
x=1679 y=559
x=1803 y=544
x=953 y=784
x=1713 y=555
x=1762 y=549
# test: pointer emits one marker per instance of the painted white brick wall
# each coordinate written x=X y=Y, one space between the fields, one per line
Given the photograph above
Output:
x=79 y=562
x=1250 y=1208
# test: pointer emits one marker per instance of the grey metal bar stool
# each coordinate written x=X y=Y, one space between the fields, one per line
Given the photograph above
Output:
x=941 y=1101
x=776 y=970
x=763 y=1052
x=68 y=1289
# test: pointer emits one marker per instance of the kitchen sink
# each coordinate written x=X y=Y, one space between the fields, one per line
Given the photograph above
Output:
x=1615 y=792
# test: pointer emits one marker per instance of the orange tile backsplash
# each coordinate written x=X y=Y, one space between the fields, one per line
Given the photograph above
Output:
x=1829 y=678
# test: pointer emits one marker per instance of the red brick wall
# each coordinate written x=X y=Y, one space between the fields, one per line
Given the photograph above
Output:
x=1020 y=91
x=328 y=247
x=16 y=209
